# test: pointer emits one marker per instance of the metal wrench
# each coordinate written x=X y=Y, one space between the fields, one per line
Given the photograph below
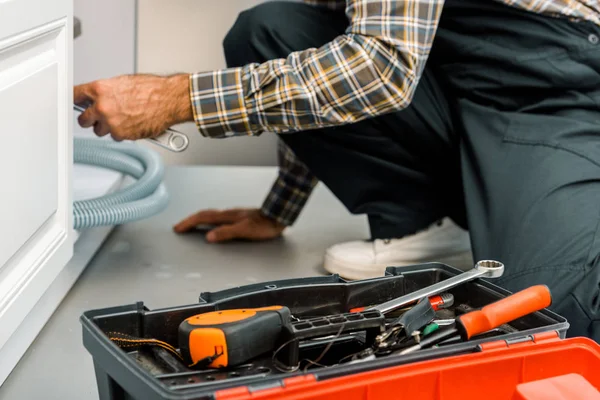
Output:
x=483 y=269
x=170 y=139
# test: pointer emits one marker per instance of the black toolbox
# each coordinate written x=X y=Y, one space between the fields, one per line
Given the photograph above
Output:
x=136 y=374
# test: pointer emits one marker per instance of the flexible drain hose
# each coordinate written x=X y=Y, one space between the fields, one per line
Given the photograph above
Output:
x=144 y=198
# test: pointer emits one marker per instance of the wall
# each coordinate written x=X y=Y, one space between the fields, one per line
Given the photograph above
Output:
x=186 y=36
x=100 y=51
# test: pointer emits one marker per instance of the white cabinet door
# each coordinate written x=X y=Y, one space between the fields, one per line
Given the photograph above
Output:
x=35 y=152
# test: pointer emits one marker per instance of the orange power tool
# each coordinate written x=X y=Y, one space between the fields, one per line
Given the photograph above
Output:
x=510 y=308
x=231 y=337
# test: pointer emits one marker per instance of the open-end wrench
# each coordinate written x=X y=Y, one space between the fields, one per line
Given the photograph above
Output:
x=483 y=269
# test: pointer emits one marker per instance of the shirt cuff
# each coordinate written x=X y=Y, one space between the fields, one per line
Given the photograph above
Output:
x=218 y=104
x=285 y=201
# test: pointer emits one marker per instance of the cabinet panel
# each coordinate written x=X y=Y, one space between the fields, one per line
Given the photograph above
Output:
x=20 y=16
x=29 y=152
x=35 y=164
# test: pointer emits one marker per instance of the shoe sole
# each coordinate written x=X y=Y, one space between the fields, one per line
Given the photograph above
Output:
x=351 y=271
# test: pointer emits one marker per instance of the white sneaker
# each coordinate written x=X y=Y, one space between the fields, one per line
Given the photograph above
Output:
x=443 y=242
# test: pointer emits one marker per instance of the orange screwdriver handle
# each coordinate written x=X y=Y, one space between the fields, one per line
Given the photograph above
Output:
x=515 y=306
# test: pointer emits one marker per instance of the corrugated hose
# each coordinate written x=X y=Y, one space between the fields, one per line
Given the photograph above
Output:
x=145 y=197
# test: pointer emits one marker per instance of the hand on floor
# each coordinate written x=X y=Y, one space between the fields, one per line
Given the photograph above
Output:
x=237 y=223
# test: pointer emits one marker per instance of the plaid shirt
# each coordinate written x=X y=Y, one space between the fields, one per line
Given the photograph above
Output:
x=370 y=70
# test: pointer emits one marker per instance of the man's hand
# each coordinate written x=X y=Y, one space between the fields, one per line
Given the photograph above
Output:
x=132 y=107
x=249 y=224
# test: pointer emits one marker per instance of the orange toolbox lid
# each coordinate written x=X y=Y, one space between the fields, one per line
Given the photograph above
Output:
x=564 y=387
x=544 y=367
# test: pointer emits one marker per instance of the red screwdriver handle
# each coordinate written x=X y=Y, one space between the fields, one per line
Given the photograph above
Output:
x=515 y=306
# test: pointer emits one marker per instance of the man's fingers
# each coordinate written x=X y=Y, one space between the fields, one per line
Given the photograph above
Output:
x=117 y=137
x=231 y=224
x=87 y=118
x=101 y=129
x=186 y=224
x=225 y=233
x=83 y=94
x=207 y=217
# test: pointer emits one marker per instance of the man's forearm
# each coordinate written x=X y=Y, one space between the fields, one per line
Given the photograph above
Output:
x=177 y=88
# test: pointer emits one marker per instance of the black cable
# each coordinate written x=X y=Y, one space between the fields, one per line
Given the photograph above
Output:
x=284 y=368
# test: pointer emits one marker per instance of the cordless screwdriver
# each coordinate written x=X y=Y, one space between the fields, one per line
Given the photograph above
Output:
x=225 y=338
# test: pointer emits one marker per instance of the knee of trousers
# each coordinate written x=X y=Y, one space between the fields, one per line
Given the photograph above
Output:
x=581 y=306
x=249 y=31
x=575 y=289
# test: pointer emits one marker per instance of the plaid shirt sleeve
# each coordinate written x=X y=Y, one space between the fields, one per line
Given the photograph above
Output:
x=371 y=69
x=291 y=189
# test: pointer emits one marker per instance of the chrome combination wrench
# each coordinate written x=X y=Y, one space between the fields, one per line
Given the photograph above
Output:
x=483 y=269
x=170 y=139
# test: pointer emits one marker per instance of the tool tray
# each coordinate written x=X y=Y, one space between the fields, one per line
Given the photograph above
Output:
x=135 y=374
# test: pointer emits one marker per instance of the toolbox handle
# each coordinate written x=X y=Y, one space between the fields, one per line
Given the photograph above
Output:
x=227 y=294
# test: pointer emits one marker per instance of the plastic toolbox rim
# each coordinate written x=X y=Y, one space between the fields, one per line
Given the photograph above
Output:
x=111 y=357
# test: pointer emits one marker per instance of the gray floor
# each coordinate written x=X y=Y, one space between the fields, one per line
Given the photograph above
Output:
x=146 y=261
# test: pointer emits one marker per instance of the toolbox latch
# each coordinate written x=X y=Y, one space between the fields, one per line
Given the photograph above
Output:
x=528 y=340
